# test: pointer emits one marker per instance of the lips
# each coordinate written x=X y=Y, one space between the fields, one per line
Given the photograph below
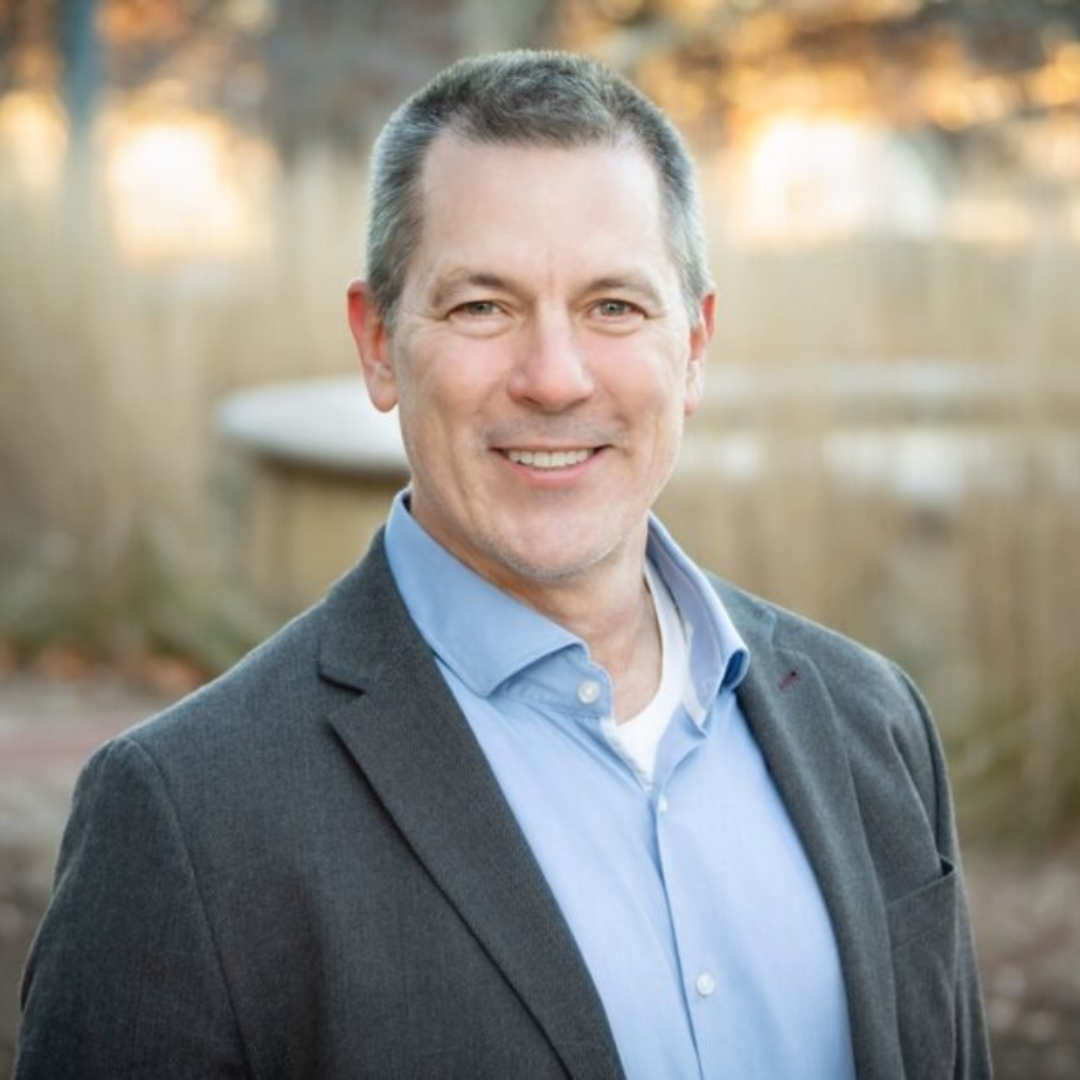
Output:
x=549 y=459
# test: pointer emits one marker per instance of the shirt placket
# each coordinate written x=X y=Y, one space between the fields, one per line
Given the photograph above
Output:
x=698 y=963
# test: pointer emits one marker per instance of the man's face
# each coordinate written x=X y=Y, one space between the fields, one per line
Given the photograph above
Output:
x=542 y=359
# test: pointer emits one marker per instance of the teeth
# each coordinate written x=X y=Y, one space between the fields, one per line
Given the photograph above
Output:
x=544 y=459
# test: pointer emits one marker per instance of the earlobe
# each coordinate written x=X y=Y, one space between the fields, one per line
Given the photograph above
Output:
x=701 y=334
x=372 y=339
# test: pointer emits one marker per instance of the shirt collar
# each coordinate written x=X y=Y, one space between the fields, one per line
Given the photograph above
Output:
x=719 y=657
x=486 y=636
x=480 y=632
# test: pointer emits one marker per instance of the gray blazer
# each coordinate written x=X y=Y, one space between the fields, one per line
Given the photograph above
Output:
x=307 y=869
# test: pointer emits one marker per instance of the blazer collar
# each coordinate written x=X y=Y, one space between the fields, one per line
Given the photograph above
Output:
x=419 y=755
x=787 y=705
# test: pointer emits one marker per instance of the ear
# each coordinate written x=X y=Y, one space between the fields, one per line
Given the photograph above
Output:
x=372 y=339
x=701 y=334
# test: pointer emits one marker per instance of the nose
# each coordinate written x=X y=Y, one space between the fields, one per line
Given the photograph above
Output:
x=551 y=372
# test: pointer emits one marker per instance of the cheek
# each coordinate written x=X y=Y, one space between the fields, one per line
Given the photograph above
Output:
x=457 y=378
x=650 y=386
x=442 y=417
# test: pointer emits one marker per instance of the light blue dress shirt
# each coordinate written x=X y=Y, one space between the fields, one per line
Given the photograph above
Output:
x=689 y=895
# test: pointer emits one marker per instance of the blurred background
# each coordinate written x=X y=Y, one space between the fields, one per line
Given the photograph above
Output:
x=890 y=441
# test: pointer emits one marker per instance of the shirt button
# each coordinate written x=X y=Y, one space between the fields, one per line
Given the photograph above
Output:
x=661 y=804
x=588 y=691
x=704 y=984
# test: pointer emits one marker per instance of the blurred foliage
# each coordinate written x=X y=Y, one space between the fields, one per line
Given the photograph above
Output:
x=142 y=601
x=954 y=66
x=1016 y=770
x=326 y=72
x=303 y=72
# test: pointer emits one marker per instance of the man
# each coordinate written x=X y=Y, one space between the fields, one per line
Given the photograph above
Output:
x=527 y=794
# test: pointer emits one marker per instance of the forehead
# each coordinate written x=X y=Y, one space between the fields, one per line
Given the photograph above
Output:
x=530 y=204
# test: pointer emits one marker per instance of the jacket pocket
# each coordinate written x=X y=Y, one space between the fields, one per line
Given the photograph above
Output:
x=923 y=933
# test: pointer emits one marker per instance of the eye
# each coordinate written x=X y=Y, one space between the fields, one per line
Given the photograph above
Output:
x=617 y=309
x=477 y=309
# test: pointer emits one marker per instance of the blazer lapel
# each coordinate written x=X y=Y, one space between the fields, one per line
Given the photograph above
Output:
x=792 y=717
x=415 y=747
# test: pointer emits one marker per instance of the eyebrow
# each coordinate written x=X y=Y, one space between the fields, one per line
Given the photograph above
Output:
x=631 y=282
x=450 y=283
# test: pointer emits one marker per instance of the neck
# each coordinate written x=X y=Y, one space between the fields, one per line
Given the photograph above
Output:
x=610 y=608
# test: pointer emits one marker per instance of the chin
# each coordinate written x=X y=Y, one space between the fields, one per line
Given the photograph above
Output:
x=541 y=567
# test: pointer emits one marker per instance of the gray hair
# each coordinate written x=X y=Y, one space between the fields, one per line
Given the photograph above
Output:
x=524 y=98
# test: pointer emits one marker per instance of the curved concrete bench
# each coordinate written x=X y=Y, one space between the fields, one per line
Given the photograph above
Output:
x=319 y=466
x=323 y=423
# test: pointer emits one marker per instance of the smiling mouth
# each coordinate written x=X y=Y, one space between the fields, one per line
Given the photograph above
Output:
x=549 y=459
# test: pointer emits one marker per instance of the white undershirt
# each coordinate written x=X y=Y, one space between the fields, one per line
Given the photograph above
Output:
x=639 y=737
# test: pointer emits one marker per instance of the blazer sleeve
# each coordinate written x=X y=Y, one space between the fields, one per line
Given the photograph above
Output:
x=123 y=978
x=972 y=1047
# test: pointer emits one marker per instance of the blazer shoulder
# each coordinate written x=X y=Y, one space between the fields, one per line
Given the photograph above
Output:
x=879 y=711
x=278 y=673
x=843 y=662
x=287 y=685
